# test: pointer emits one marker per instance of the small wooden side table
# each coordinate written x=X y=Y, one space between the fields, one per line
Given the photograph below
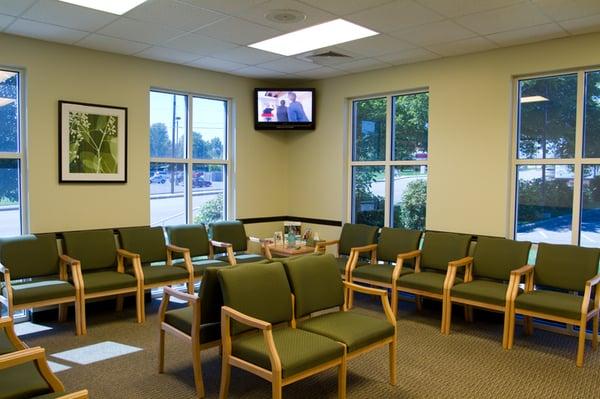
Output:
x=285 y=251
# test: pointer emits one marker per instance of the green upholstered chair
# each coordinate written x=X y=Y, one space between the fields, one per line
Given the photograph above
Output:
x=317 y=286
x=25 y=374
x=146 y=255
x=381 y=273
x=93 y=255
x=9 y=342
x=431 y=264
x=199 y=323
x=194 y=237
x=352 y=237
x=230 y=243
x=559 y=288
x=257 y=335
x=32 y=276
x=486 y=278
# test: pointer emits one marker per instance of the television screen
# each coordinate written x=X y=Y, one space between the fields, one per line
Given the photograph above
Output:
x=284 y=109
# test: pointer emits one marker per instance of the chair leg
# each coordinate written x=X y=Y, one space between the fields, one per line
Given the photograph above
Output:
x=394 y=300
x=446 y=316
x=276 y=386
x=82 y=317
x=595 y=332
x=78 y=307
x=119 y=306
x=342 y=371
x=225 y=377
x=350 y=297
x=140 y=307
x=511 y=329
x=419 y=302
x=197 y=365
x=392 y=350
x=506 y=328
x=161 y=352
x=469 y=313
x=63 y=312
x=581 y=344
x=528 y=325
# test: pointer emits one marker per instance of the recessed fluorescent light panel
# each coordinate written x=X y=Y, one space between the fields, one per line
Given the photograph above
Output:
x=533 y=99
x=118 y=7
x=318 y=36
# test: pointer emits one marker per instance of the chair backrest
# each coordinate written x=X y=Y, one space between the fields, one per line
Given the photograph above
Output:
x=96 y=249
x=439 y=248
x=396 y=241
x=258 y=290
x=148 y=242
x=315 y=282
x=494 y=258
x=566 y=267
x=232 y=232
x=191 y=236
x=211 y=296
x=356 y=235
x=30 y=255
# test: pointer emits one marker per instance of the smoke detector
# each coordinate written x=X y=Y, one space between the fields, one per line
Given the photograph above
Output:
x=285 y=16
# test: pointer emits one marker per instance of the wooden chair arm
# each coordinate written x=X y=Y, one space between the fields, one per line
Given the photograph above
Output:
x=364 y=248
x=327 y=243
x=227 y=313
x=593 y=281
x=68 y=260
x=76 y=395
x=6 y=321
x=127 y=254
x=12 y=359
x=522 y=270
x=175 y=248
x=184 y=296
x=467 y=260
x=408 y=255
x=387 y=309
x=220 y=244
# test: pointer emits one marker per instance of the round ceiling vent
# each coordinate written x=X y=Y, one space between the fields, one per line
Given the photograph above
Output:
x=285 y=16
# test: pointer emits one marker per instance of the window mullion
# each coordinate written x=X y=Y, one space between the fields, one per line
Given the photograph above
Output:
x=577 y=186
x=190 y=171
x=388 y=157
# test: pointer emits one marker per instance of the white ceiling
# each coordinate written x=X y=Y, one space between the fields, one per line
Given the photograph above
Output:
x=213 y=34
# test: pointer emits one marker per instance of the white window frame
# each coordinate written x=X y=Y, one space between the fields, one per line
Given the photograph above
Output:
x=577 y=161
x=21 y=154
x=388 y=163
x=189 y=161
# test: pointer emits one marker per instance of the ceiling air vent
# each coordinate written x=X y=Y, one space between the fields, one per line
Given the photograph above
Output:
x=285 y=16
x=328 y=58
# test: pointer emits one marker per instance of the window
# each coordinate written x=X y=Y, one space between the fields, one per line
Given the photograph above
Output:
x=189 y=159
x=388 y=166
x=557 y=159
x=12 y=216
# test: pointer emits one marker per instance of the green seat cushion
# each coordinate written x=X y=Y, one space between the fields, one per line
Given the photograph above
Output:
x=380 y=272
x=565 y=266
x=148 y=242
x=200 y=264
x=107 y=281
x=95 y=249
x=353 y=329
x=181 y=319
x=40 y=290
x=397 y=241
x=482 y=291
x=242 y=257
x=191 y=236
x=298 y=350
x=551 y=303
x=22 y=381
x=232 y=232
x=30 y=255
x=439 y=248
x=495 y=258
x=425 y=281
x=162 y=273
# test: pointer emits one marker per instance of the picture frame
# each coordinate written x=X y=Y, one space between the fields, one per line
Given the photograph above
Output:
x=92 y=143
x=278 y=238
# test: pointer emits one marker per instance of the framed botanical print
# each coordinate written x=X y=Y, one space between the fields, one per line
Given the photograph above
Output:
x=92 y=143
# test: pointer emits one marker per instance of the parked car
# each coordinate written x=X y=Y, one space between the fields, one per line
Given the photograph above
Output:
x=158 y=178
x=200 y=182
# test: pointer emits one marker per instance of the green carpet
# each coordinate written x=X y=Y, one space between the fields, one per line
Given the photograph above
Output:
x=470 y=363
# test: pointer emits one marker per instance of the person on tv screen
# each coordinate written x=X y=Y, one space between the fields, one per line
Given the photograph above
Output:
x=282 y=112
x=268 y=113
x=295 y=110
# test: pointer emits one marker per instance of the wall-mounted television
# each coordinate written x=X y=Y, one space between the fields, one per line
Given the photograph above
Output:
x=284 y=109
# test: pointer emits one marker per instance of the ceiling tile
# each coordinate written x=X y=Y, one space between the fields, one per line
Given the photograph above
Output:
x=246 y=55
x=395 y=16
x=528 y=35
x=130 y=29
x=15 y=8
x=320 y=73
x=231 y=7
x=314 y=16
x=174 y=14
x=238 y=31
x=197 y=44
x=68 y=15
x=289 y=65
x=456 y=8
x=376 y=45
x=38 y=30
x=582 y=25
x=216 y=64
x=167 y=54
x=562 y=10
x=111 y=44
x=436 y=32
x=362 y=65
x=5 y=20
x=255 y=72
x=503 y=19
x=344 y=7
x=472 y=45
x=408 y=56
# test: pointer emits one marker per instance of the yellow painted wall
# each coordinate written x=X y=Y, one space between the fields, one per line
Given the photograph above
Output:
x=57 y=72
x=469 y=138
